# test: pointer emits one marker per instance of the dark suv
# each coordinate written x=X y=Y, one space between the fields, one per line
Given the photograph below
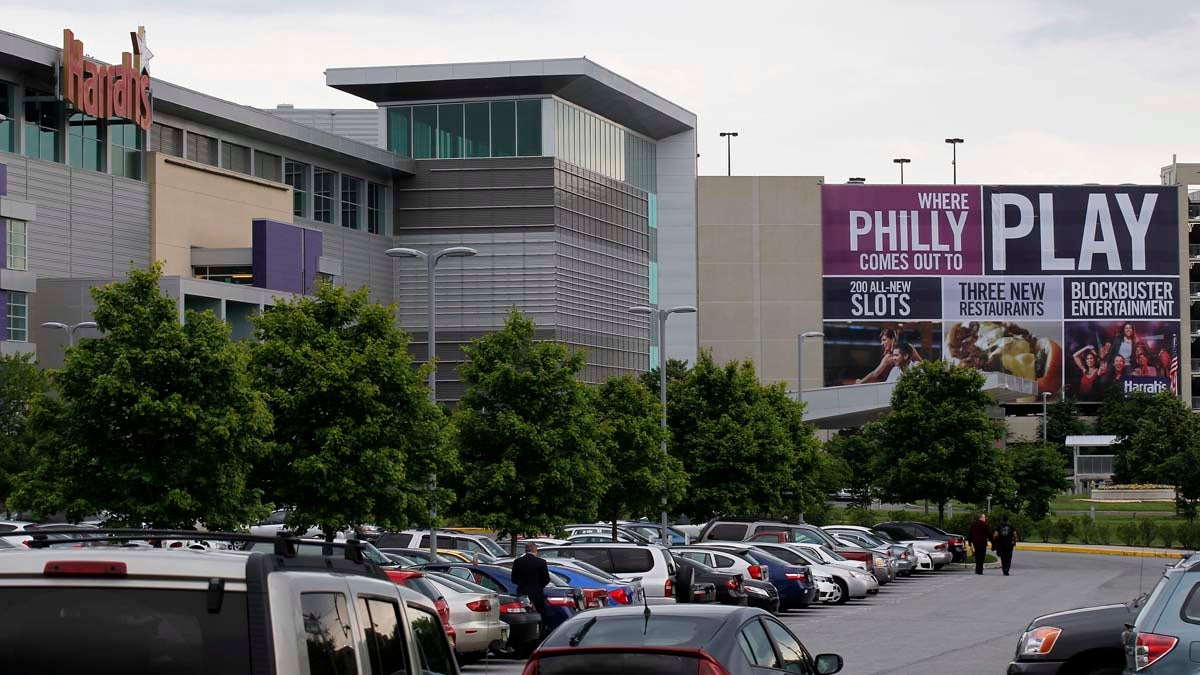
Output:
x=1083 y=641
x=779 y=531
x=908 y=529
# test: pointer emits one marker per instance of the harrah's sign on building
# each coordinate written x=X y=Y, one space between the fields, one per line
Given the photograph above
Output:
x=104 y=91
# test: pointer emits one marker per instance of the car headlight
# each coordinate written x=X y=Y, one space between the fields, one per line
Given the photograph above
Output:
x=755 y=590
x=1038 y=641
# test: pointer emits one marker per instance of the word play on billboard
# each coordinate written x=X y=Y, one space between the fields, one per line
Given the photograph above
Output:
x=1073 y=287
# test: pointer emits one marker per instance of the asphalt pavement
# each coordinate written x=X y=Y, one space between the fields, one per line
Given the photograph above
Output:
x=954 y=622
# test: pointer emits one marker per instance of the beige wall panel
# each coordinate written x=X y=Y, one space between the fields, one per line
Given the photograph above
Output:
x=725 y=351
x=726 y=243
x=786 y=320
x=785 y=281
x=729 y=320
x=726 y=281
x=798 y=243
x=723 y=200
x=785 y=200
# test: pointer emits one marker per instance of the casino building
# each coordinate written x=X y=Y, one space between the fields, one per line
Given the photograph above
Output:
x=575 y=185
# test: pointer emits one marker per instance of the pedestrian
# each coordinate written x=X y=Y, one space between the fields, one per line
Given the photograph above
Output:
x=979 y=535
x=530 y=574
x=1004 y=540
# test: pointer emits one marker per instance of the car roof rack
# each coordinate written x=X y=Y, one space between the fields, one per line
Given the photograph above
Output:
x=743 y=519
x=285 y=545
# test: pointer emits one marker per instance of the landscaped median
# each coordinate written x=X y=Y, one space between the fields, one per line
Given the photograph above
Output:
x=1132 y=551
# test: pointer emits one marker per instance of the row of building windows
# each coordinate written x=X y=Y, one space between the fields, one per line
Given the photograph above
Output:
x=16 y=240
x=593 y=186
x=113 y=145
x=18 y=316
x=456 y=130
x=359 y=203
x=596 y=144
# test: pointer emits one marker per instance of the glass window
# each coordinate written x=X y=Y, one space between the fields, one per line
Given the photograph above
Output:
x=630 y=560
x=375 y=208
x=450 y=130
x=433 y=647
x=399 y=131
x=794 y=658
x=695 y=557
x=1191 y=606
x=424 y=123
x=18 y=316
x=125 y=155
x=504 y=128
x=8 y=105
x=235 y=157
x=296 y=175
x=17 y=245
x=324 y=182
x=85 y=147
x=529 y=127
x=727 y=531
x=165 y=139
x=386 y=649
x=201 y=148
x=41 y=126
x=756 y=645
x=476 y=130
x=267 y=166
x=327 y=632
x=352 y=194
x=227 y=274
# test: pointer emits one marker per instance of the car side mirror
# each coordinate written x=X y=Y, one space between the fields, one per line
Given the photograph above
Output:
x=828 y=664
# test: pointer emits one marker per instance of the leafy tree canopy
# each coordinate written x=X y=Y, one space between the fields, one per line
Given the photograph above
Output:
x=21 y=382
x=1035 y=473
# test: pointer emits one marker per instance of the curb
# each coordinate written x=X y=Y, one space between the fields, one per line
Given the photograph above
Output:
x=971 y=566
x=1133 y=553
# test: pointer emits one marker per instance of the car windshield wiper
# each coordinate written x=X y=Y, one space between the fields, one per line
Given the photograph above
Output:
x=578 y=636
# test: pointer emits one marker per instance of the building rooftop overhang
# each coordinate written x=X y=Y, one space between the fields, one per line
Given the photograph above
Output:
x=576 y=80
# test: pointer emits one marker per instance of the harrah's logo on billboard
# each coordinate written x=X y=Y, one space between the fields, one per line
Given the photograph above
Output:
x=104 y=91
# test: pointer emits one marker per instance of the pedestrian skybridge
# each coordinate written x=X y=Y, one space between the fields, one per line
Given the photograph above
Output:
x=854 y=405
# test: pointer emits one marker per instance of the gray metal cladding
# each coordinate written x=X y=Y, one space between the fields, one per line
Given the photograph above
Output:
x=360 y=124
x=364 y=262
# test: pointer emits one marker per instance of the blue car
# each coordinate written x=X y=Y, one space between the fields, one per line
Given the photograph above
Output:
x=619 y=592
x=563 y=600
x=795 y=584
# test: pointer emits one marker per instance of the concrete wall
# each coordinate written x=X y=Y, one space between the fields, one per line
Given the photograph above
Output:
x=199 y=205
x=760 y=272
x=677 y=246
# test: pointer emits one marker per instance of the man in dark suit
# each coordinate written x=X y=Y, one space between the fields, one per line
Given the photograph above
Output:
x=530 y=574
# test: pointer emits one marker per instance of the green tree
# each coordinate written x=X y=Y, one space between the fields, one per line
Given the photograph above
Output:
x=631 y=435
x=1036 y=474
x=857 y=449
x=814 y=472
x=1153 y=429
x=527 y=434
x=21 y=382
x=155 y=422
x=1062 y=420
x=938 y=442
x=677 y=370
x=735 y=440
x=356 y=437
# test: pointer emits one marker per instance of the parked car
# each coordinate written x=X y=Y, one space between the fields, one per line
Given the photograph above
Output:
x=903 y=556
x=876 y=562
x=605 y=530
x=1085 y=641
x=210 y=611
x=602 y=539
x=649 y=563
x=653 y=532
x=761 y=594
x=1164 y=637
x=562 y=600
x=418 y=556
x=605 y=589
x=524 y=622
x=418 y=582
x=448 y=540
x=705 y=639
x=794 y=582
x=931 y=554
x=850 y=584
x=730 y=586
x=475 y=615
x=955 y=543
x=749 y=529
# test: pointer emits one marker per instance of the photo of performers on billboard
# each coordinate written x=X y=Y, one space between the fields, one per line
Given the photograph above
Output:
x=878 y=351
x=1133 y=355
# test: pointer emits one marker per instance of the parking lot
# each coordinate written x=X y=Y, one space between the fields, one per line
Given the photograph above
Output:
x=953 y=622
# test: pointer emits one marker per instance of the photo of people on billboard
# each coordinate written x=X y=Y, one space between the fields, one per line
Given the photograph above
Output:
x=1028 y=349
x=878 y=351
x=1133 y=355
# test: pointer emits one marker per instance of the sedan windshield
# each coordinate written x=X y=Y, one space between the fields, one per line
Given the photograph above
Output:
x=659 y=630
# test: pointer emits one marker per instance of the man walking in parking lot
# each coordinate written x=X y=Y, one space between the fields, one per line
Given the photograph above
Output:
x=979 y=536
x=530 y=574
x=1004 y=540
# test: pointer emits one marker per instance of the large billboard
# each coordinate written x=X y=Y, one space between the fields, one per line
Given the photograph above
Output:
x=1074 y=287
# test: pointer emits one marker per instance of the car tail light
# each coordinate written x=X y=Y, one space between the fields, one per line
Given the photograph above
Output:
x=939 y=547
x=709 y=666
x=84 y=568
x=731 y=583
x=512 y=608
x=560 y=601
x=595 y=597
x=443 y=610
x=531 y=666
x=795 y=577
x=1151 y=647
x=619 y=596
x=1040 y=640
x=955 y=541
x=756 y=572
x=668 y=587
x=452 y=635
x=904 y=555
x=483 y=605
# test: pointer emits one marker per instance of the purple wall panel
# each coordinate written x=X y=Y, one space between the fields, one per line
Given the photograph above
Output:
x=283 y=256
x=313 y=244
x=3 y=315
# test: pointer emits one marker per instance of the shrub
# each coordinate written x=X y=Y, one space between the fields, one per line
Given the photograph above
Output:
x=961 y=523
x=1064 y=528
x=1085 y=526
x=1189 y=534
x=1044 y=529
x=1127 y=532
x=1167 y=532
x=1147 y=531
x=1102 y=533
x=909 y=515
x=856 y=515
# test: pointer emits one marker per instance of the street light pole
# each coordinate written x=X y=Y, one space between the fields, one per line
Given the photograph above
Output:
x=662 y=315
x=1045 y=398
x=729 y=136
x=70 y=329
x=902 y=161
x=954 y=156
x=800 y=363
x=431 y=262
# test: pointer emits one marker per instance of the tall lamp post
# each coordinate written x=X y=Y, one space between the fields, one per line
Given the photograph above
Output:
x=954 y=156
x=431 y=261
x=662 y=379
x=728 y=136
x=1045 y=398
x=800 y=362
x=902 y=161
x=70 y=329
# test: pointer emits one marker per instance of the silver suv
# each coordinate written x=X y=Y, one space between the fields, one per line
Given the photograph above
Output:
x=650 y=563
x=186 y=611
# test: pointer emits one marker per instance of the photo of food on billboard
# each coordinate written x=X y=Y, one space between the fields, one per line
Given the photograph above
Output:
x=1134 y=356
x=877 y=351
x=1028 y=349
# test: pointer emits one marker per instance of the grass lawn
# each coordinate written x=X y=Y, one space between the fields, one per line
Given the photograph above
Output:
x=1078 y=503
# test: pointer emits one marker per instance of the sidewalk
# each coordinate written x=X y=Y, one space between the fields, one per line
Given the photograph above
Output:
x=1096 y=549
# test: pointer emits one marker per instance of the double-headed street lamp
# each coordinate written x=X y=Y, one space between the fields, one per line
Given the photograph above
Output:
x=662 y=379
x=902 y=161
x=431 y=261
x=728 y=136
x=954 y=156
x=70 y=329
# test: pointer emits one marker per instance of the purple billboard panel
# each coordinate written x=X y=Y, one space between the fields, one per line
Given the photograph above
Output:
x=928 y=230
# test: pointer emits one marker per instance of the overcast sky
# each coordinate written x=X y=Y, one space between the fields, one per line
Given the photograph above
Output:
x=1071 y=91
